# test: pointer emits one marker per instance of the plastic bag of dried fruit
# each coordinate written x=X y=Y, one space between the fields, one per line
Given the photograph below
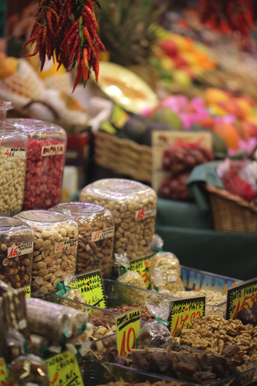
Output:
x=165 y=271
x=131 y=278
x=156 y=333
x=28 y=370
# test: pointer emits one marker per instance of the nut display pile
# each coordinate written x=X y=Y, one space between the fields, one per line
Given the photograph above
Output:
x=55 y=248
x=214 y=333
x=95 y=254
x=12 y=179
x=43 y=182
x=133 y=211
x=197 y=367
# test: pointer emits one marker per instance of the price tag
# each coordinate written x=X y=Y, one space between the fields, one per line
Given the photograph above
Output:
x=63 y=370
x=52 y=150
x=28 y=291
x=14 y=153
x=66 y=245
x=90 y=285
x=127 y=330
x=103 y=234
x=241 y=296
x=183 y=311
x=19 y=250
x=141 y=266
x=3 y=373
x=145 y=213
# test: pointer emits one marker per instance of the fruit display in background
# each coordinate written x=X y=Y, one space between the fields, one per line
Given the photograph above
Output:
x=166 y=115
x=179 y=59
x=179 y=160
x=174 y=187
x=239 y=178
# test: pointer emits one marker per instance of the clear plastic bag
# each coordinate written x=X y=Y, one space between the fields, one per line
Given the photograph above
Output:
x=29 y=369
x=164 y=270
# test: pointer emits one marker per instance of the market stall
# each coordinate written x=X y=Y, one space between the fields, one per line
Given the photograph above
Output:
x=148 y=278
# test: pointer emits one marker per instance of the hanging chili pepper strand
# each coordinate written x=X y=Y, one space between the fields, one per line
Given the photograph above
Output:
x=234 y=15
x=67 y=31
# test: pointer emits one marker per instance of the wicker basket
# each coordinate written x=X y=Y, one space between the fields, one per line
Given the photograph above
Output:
x=123 y=156
x=231 y=213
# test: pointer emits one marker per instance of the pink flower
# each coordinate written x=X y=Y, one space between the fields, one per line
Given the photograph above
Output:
x=230 y=118
x=247 y=146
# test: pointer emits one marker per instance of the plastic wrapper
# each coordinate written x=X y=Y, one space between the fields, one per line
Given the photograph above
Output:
x=55 y=247
x=16 y=252
x=48 y=320
x=56 y=321
x=73 y=294
x=154 y=335
x=38 y=344
x=134 y=279
x=4 y=287
x=16 y=328
x=164 y=270
x=28 y=370
x=13 y=155
x=45 y=162
x=96 y=236
x=133 y=206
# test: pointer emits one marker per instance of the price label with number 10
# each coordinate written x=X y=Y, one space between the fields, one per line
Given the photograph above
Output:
x=127 y=327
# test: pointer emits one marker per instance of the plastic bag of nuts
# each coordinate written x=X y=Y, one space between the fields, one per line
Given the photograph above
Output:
x=96 y=236
x=133 y=206
x=55 y=247
x=16 y=252
x=164 y=270
x=13 y=155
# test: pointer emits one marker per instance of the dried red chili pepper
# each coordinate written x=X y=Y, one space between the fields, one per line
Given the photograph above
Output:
x=55 y=14
x=91 y=16
x=49 y=20
x=77 y=77
x=84 y=71
x=88 y=38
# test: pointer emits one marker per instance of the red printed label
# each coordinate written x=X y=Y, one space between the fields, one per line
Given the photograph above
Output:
x=145 y=213
x=11 y=152
x=18 y=250
x=66 y=245
x=52 y=150
x=103 y=234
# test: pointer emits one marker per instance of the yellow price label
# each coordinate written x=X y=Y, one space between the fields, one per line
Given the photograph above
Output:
x=240 y=297
x=127 y=330
x=141 y=266
x=28 y=291
x=183 y=311
x=63 y=370
x=3 y=373
x=90 y=285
